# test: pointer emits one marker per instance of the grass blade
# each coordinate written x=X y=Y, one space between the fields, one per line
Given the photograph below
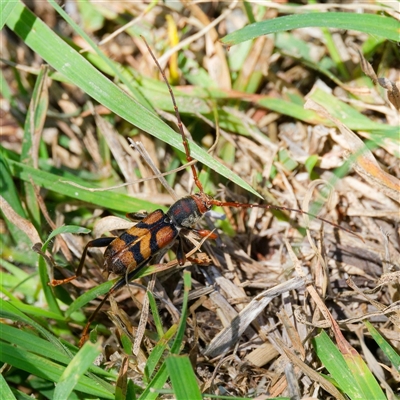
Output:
x=158 y=351
x=76 y=370
x=6 y=8
x=5 y=390
x=89 y=296
x=350 y=373
x=183 y=378
x=384 y=345
x=107 y=199
x=48 y=370
x=373 y=24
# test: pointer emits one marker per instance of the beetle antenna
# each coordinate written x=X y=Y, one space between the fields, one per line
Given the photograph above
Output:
x=178 y=117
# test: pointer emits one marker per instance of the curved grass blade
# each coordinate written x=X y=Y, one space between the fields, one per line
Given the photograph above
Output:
x=385 y=346
x=76 y=370
x=351 y=374
x=158 y=351
x=108 y=199
x=64 y=229
x=376 y=25
x=5 y=389
x=48 y=370
x=89 y=296
x=6 y=8
x=187 y=284
x=34 y=344
x=183 y=378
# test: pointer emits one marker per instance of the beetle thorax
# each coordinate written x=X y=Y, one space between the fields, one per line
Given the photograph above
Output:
x=186 y=212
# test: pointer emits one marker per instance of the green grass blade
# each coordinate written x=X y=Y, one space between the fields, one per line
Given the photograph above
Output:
x=34 y=344
x=334 y=362
x=64 y=229
x=150 y=393
x=183 y=378
x=115 y=71
x=187 y=282
x=6 y=8
x=12 y=312
x=156 y=316
x=6 y=393
x=158 y=351
x=34 y=123
x=79 y=71
x=89 y=296
x=377 y=25
x=76 y=370
x=47 y=369
x=37 y=311
x=47 y=290
x=352 y=376
x=384 y=345
x=107 y=199
x=162 y=374
x=10 y=194
x=352 y=118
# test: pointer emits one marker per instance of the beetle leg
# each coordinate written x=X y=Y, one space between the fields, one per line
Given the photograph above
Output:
x=180 y=254
x=205 y=233
x=117 y=285
x=100 y=242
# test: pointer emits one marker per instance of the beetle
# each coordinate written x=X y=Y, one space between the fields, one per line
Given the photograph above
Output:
x=157 y=232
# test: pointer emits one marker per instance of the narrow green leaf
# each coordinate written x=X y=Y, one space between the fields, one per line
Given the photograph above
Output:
x=35 y=344
x=291 y=109
x=10 y=194
x=47 y=369
x=107 y=199
x=159 y=380
x=156 y=316
x=34 y=122
x=352 y=378
x=6 y=393
x=89 y=296
x=158 y=351
x=384 y=345
x=183 y=378
x=114 y=68
x=6 y=8
x=352 y=118
x=91 y=19
x=12 y=312
x=310 y=163
x=64 y=229
x=47 y=290
x=76 y=370
x=14 y=270
x=187 y=282
x=334 y=362
x=373 y=24
x=37 y=311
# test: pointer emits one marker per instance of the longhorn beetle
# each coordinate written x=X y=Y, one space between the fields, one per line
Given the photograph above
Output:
x=127 y=254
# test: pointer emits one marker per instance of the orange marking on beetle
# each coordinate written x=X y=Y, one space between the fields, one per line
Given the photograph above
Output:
x=134 y=231
x=127 y=259
x=145 y=250
x=117 y=245
x=164 y=236
x=154 y=217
